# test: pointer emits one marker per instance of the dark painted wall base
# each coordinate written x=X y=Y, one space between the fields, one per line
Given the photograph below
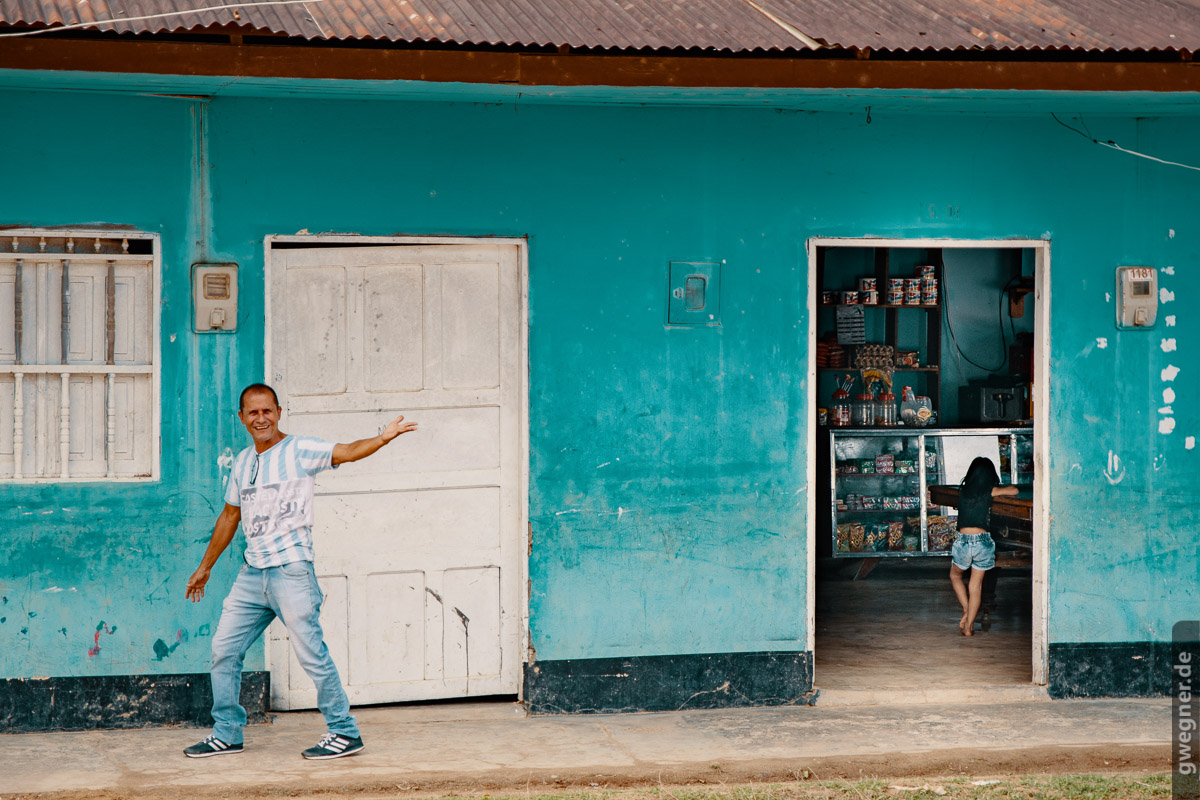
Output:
x=668 y=683
x=1120 y=669
x=119 y=701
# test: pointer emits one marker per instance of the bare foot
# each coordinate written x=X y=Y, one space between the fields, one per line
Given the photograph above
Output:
x=962 y=623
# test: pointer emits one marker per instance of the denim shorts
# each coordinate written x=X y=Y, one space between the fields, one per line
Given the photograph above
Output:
x=973 y=550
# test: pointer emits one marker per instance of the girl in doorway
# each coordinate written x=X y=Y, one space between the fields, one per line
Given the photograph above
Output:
x=974 y=549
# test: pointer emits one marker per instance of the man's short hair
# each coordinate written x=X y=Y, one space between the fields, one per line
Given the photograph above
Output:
x=256 y=387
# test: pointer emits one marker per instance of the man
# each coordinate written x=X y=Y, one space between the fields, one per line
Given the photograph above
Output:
x=270 y=492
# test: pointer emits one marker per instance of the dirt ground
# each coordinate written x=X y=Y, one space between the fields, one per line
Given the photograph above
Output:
x=945 y=765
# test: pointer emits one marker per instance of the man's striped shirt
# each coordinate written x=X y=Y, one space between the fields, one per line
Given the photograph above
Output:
x=275 y=491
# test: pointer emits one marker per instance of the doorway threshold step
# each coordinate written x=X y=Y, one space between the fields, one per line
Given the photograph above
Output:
x=907 y=695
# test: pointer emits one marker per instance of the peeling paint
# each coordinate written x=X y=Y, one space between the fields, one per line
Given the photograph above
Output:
x=1101 y=342
x=1165 y=296
x=1189 y=443
x=1169 y=320
x=1169 y=373
x=1168 y=345
x=1166 y=425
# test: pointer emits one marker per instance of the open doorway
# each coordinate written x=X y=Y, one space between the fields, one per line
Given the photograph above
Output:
x=925 y=354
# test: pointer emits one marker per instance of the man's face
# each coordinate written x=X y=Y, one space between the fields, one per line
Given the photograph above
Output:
x=260 y=415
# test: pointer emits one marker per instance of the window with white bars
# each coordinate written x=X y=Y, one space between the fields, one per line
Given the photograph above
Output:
x=78 y=355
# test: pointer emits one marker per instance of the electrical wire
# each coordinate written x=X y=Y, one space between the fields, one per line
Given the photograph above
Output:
x=945 y=290
x=176 y=13
x=1114 y=146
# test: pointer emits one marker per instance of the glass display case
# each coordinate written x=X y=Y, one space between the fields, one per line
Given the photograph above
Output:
x=879 y=480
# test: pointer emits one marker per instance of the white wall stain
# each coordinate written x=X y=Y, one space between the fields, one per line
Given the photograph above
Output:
x=1169 y=373
x=1165 y=295
x=1101 y=342
x=1116 y=470
x=1166 y=425
x=1168 y=270
x=1108 y=297
x=1169 y=320
x=1170 y=233
x=1160 y=461
x=1092 y=419
x=602 y=466
x=224 y=465
x=1166 y=410
x=1168 y=395
x=1189 y=443
x=1168 y=345
x=568 y=511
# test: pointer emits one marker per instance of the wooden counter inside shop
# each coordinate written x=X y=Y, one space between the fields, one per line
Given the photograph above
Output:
x=1012 y=515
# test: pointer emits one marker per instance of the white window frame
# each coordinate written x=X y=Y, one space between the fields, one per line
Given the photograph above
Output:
x=86 y=241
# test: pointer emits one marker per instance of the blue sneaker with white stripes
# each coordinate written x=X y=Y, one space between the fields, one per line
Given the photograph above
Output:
x=334 y=745
x=212 y=746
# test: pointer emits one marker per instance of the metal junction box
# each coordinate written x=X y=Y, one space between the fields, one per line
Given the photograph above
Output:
x=694 y=293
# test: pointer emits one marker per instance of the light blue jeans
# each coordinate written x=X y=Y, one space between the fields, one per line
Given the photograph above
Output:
x=258 y=596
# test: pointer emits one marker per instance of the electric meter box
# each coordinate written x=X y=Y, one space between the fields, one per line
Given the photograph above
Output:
x=214 y=294
x=1137 y=297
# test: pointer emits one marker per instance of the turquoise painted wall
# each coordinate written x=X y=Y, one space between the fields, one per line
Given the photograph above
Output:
x=667 y=467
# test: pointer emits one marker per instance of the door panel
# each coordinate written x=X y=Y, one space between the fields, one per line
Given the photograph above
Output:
x=417 y=547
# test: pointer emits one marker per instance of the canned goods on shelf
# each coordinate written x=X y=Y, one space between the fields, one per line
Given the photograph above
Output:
x=828 y=298
x=912 y=285
x=866 y=285
x=895 y=284
x=926 y=271
x=849 y=298
x=912 y=297
x=895 y=297
x=869 y=298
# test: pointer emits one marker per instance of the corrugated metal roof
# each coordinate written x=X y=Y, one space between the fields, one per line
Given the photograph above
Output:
x=1008 y=24
x=712 y=25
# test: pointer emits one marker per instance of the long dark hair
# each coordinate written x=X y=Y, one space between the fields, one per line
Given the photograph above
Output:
x=981 y=478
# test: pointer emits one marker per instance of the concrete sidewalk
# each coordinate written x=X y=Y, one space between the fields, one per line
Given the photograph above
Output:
x=495 y=745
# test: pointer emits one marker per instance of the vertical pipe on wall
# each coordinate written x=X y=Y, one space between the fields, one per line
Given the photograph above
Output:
x=110 y=437
x=64 y=425
x=110 y=336
x=18 y=303
x=18 y=420
x=65 y=313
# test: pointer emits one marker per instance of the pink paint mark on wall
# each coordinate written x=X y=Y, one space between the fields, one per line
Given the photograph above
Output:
x=101 y=628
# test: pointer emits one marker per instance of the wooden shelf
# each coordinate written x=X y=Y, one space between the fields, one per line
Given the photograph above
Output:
x=880 y=305
x=893 y=369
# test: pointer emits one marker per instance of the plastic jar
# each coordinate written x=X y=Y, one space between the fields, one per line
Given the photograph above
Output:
x=839 y=410
x=885 y=410
x=863 y=412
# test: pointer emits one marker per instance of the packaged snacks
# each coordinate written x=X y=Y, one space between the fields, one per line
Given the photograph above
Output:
x=849 y=467
x=870 y=503
x=905 y=466
x=942 y=532
x=910 y=503
x=895 y=535
x=892 y=504
x=866 y=466
x=885 y=464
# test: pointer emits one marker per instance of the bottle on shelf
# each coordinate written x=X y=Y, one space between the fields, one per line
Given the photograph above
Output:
x=863 y=411
x=885 y=410
x=839 y=410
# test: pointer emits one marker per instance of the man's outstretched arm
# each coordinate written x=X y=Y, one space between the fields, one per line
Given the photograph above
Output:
x=223 y=532
x=343 y=453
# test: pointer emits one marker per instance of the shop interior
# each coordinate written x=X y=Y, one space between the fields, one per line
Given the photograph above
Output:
x=924 y=361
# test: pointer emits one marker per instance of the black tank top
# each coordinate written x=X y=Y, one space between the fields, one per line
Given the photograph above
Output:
x=974 y=510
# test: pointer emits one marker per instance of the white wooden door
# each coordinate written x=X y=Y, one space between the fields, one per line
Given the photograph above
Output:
x=418 y=548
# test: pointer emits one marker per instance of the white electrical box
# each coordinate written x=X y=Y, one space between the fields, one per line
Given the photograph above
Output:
x=214 y=294
x=1137 y=297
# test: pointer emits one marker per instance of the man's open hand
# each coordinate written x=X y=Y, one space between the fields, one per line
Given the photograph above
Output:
x=395 y=428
